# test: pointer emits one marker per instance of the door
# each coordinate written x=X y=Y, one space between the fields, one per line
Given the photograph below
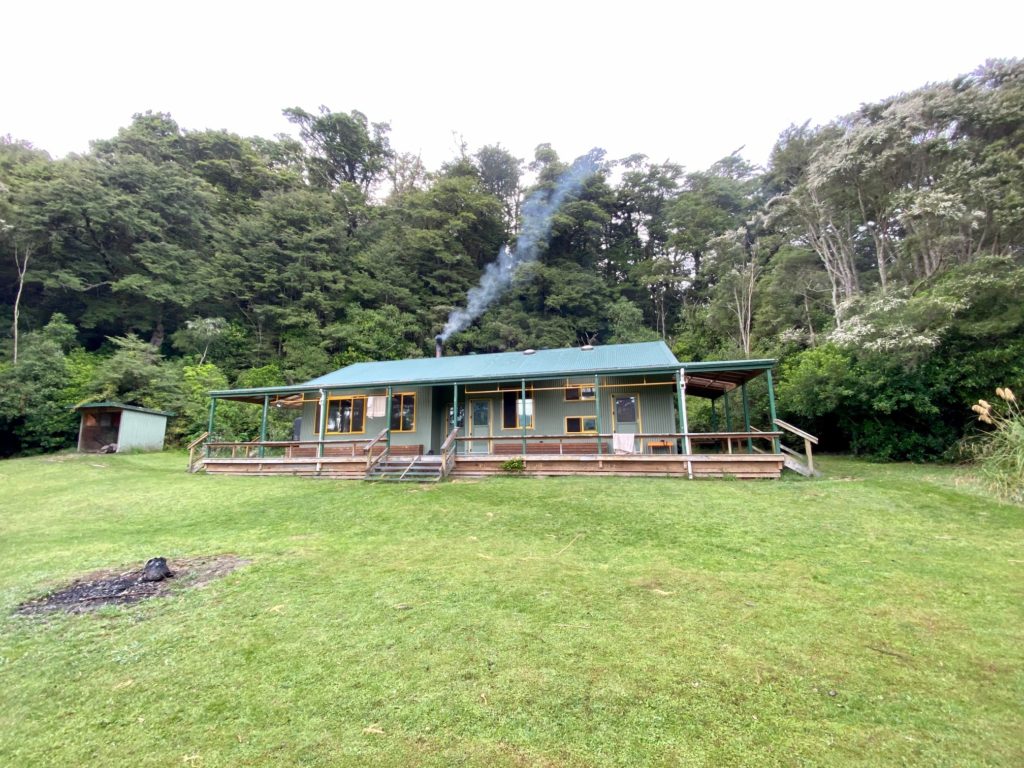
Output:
x=626 y=419
x=480 y=425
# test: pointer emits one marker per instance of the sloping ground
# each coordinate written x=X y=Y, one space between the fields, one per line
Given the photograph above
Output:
x=873 y=617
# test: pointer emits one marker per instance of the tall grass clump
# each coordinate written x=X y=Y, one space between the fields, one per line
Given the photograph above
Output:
x=1000 y=451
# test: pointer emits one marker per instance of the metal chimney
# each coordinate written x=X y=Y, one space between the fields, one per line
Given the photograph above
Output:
x=438 y=346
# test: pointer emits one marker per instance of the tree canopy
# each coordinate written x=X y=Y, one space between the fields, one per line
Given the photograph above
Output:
x=880 y=256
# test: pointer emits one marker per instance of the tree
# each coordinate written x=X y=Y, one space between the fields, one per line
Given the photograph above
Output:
x=342 y=148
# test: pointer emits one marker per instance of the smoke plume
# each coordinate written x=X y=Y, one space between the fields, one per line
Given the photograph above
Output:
x=538 y=211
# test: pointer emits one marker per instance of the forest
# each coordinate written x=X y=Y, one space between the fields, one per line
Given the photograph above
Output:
x=878 y=257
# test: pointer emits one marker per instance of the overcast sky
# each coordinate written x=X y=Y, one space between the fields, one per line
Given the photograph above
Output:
x=660 y=78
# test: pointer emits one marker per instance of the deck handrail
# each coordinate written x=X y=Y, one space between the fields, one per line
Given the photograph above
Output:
x=371 y=460
x=592 y=436
x=808 y=438
x=448 y=452
x=192 y=463
x=796 y=431
x=381 y=435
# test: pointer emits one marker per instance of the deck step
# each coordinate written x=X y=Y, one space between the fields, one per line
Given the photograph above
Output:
x=799 y=467
x=416 y=469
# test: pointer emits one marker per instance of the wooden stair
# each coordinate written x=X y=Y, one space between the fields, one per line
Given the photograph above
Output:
x=407 y=469
x=792 y=460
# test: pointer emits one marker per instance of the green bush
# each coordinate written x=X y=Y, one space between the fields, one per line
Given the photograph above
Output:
x=514 y=466
x=1000 y=451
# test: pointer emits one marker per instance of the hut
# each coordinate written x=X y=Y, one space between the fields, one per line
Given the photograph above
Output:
x=109 y=427
x=614 y=409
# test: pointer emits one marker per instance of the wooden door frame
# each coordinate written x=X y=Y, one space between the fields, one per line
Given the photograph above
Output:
x=472 y=424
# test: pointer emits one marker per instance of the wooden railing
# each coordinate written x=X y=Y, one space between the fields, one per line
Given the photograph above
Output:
x=571 y=444
x=297 y=449
x=371 y=460
x=193 y=464
x=448 y=453
x=808 y=439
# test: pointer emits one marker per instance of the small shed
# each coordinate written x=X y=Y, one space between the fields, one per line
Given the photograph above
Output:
x=125 y=427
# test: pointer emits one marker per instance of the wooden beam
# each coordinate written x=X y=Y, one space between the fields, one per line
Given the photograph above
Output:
x=263 y=423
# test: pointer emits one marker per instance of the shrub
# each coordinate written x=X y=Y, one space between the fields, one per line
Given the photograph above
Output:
x=514 y=466
x=1000 y=451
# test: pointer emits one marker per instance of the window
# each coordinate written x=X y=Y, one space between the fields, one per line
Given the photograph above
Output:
x=625 y=409
x=403 y=412
x=577 y=392
x=346 y=415
x=481 y=413
x=517 y=413
x=578 y=425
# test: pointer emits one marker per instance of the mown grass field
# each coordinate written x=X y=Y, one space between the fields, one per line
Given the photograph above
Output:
x=871 y=618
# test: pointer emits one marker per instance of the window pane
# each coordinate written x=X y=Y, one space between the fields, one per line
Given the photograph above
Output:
x=481 y=413
x=396 y=412
x=358 y=414
x=508 y=411
x=334 y=416
x=572 y=393
x=408 y=413
x=574 y=424
x=525 y=411
x=625 y=409
x=346 y=416
x=590 y=424
x=587 y=393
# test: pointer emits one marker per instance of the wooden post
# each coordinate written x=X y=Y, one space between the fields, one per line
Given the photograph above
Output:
x=263 y=423
x=522 y=421
x=771 y=409
x=455 y=415
x=597 y=412
x=322 y=426
x=209 y=426
x=746 y=416
x=387 y=415
x=684 y=425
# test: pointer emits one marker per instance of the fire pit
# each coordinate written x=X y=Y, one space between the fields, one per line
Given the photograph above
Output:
x=154 y=579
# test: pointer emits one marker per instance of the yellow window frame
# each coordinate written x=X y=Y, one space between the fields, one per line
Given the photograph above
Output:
x=581 y=398
x=583 y=421
x=531 y=396
x=400 y=396
x=353 y=398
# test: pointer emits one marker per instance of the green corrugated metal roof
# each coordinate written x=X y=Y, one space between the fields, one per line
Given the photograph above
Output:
x=123 y=407
x=571 y=361
x=611 y=359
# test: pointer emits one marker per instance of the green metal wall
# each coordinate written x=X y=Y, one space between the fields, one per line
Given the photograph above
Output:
x=421 y=436
x=141 y=432
x=656 y=406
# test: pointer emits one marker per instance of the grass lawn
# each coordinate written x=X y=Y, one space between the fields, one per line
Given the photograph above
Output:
x=871 y=618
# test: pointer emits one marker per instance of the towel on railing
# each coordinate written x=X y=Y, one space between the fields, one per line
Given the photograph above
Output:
x=376 y=407
x=622 y=442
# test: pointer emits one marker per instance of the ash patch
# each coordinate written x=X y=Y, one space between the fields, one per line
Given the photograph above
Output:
x=111 y=587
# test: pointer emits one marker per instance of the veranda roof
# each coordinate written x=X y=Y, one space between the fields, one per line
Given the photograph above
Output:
x=705 y=379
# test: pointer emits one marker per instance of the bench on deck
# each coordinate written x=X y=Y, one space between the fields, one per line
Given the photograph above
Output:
x=352 y=449
x=509 y=448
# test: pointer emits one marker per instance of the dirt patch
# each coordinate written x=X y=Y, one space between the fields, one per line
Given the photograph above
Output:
x=113 y=587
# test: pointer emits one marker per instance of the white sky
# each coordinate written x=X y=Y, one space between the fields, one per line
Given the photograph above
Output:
x=690 y=84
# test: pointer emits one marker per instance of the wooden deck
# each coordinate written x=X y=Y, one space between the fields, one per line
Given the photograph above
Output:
x=744 y=466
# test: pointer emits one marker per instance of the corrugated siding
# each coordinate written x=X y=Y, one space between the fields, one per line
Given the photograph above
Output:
x=421 y=436
x=141 y=432
x=656 y=404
